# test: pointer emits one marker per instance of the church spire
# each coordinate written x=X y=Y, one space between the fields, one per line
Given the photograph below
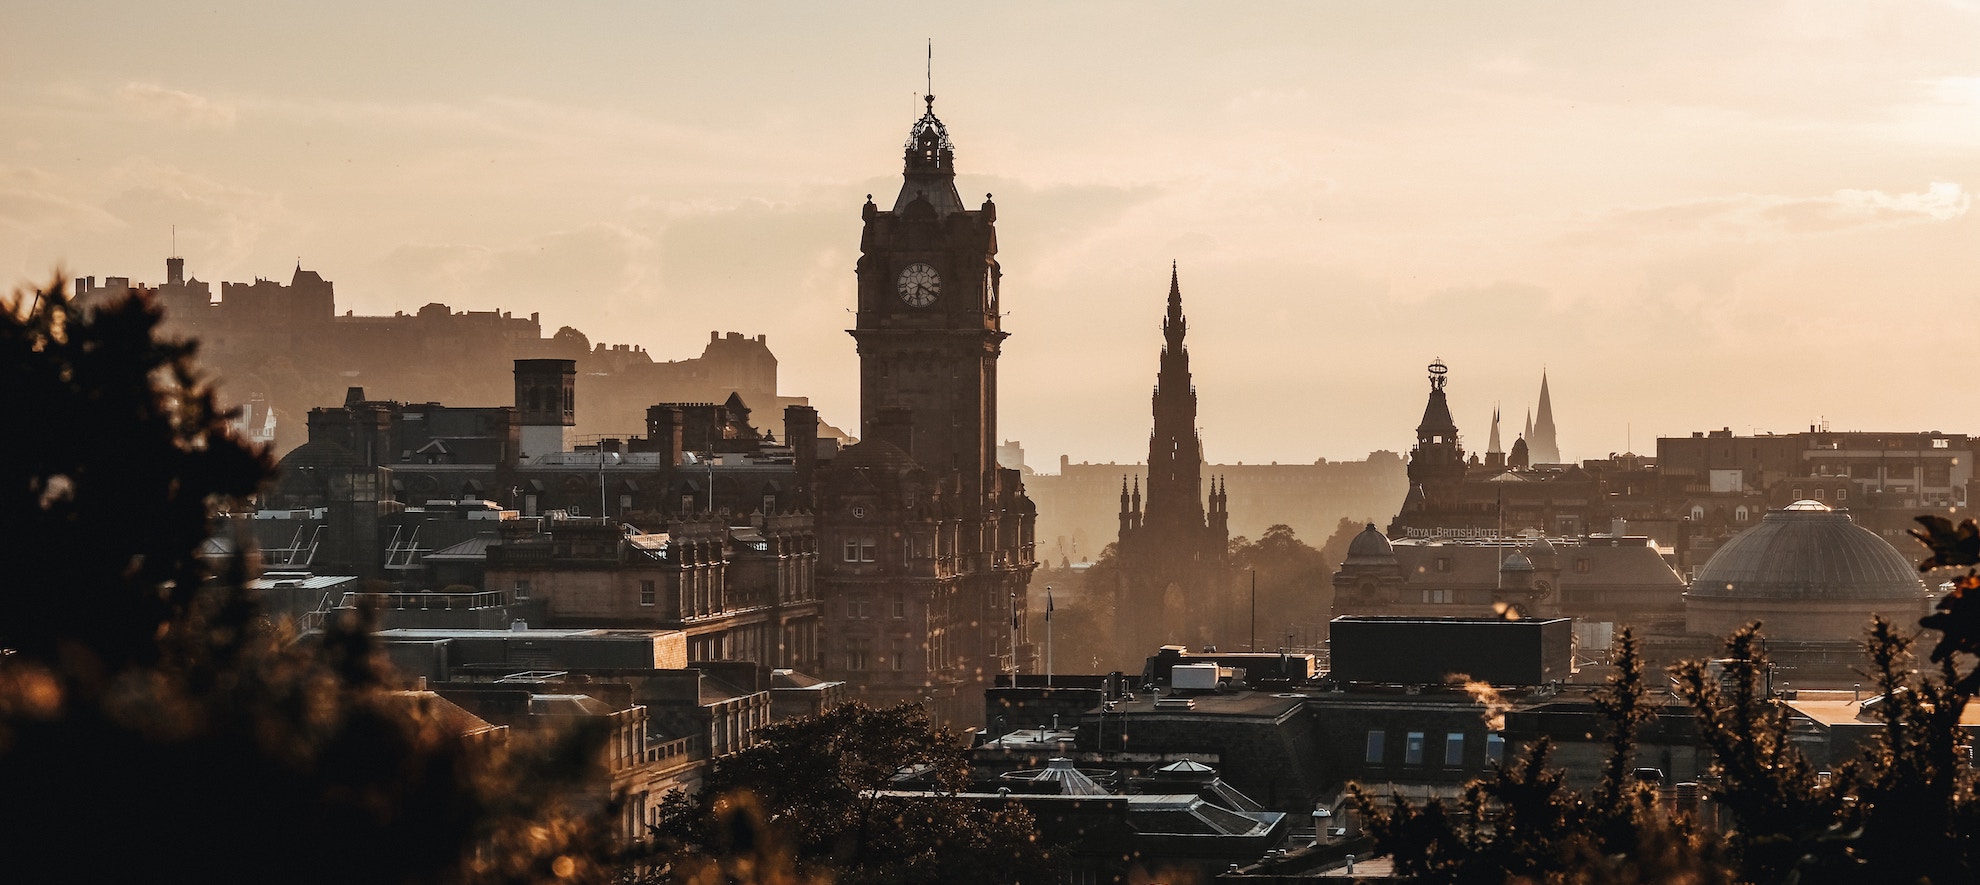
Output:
x=1492 y=446
x=1175 y=512
x=1546 y=449
x=1174 y=326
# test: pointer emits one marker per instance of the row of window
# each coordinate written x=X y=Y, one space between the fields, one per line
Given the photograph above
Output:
x=1415 y=742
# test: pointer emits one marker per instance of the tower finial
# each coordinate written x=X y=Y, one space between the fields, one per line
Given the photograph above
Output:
x=930 y=93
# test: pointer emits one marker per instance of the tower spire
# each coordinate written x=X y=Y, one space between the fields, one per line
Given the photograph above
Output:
x=1546 y=448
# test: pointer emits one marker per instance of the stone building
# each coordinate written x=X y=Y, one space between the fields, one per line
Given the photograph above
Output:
x=1808 y=573
x=1598 y=579
x=928 y=541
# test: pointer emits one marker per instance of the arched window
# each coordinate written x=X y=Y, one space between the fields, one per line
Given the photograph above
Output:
x=1697 y=513
x=1740 y=513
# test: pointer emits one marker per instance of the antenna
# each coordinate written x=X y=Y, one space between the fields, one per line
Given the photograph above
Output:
x=175 y=241
x=931 y=67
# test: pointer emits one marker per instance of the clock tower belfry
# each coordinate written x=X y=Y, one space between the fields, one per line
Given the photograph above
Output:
x=928 y=328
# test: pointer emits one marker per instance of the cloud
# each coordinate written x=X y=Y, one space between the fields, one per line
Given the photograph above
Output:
x=1942 y=201
x=1771 y=217
x=171 y=105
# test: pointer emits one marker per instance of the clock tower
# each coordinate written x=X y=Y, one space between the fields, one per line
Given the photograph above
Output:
x=928 y=542
x=928 y=328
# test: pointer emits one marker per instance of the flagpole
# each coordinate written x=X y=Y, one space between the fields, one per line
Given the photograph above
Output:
x=1048 y=636
x=1014 y=633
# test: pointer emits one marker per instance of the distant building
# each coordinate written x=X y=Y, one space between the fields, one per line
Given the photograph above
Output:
x=285 y=346
x=1599 y=579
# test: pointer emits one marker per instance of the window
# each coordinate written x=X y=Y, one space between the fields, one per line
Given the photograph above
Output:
x=860 y=549
x=646 y=592
x=1443 y=563
x=856 y=608
x=1376 y=738
x=1581 y=565
x=1495 y=748
x=687 y=503
x=856 y=654
x=1797 y=495
x=1842 y=494
x=1437 y=596
x=1819 y=494
x=899 y=660
x=1698 y=511
x=1897 y=471
x=1413 y=748
x=625 y=503
x=1454 y=749
x=522 y=589
x=769 y=503
x=900 y=605
x=1741 y=514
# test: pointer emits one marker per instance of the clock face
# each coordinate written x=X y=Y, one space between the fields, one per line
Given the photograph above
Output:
x=918 y=285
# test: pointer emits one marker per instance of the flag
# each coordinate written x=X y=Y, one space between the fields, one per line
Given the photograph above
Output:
x=1048 y=605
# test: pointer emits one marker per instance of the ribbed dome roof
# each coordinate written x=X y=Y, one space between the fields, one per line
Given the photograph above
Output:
x=1808 y=551
x=1371 y=544
x=1541 y=547
x=1516 y=563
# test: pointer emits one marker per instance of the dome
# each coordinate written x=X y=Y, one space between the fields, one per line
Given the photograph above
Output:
x=1370 y=547
x=1808 y=552
x=1516 y=563
x=1541 y=547
x=1371 y=542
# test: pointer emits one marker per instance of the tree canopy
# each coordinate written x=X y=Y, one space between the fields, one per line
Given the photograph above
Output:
x=154 y=724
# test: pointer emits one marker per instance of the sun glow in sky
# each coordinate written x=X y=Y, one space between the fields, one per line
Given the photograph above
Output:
x=1692 y=215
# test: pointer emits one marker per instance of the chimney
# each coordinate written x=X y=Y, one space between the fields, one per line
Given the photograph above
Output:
x=175 y=271
x=663 y=433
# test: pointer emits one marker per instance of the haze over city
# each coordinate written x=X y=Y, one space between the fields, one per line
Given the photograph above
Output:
x=1691 y=216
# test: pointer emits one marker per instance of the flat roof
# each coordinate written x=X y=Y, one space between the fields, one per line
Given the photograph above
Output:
x=532 y=633
x=1238 y=703
x=1840 y=709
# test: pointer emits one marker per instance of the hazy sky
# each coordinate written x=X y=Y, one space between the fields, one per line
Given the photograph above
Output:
x=1693 y=215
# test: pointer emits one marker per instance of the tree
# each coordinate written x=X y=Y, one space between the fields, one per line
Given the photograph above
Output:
x=152 y=723
x=1293 y=579
x=1522 y=823
x=807 y=801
